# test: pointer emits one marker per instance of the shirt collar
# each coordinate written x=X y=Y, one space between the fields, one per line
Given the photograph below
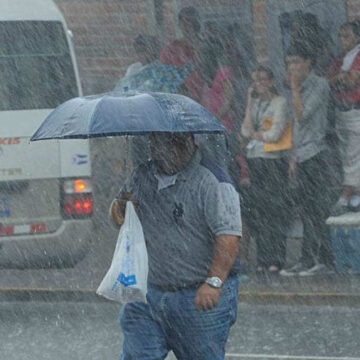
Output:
x=165 y=181
x=309 y=80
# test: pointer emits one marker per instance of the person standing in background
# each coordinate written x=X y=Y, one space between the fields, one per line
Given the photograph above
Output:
x=217 y=96
x=309 y=170
x=184 y=51
x=146 y=50
x=266 y=197
x=344 y=77
x=307 y=32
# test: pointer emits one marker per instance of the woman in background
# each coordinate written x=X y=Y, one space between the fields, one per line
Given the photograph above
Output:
x=267 y=211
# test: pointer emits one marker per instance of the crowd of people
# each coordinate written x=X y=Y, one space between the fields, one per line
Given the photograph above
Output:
x=281 y=145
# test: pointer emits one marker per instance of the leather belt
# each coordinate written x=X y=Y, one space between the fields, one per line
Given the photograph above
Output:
x=173 y=288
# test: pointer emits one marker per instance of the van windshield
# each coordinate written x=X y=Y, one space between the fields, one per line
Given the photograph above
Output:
x=35 y=65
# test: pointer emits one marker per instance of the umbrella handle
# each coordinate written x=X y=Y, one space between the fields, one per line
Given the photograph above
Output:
x=128 y=163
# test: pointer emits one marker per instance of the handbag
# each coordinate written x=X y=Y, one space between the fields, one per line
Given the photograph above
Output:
x=284 y=143
x=126 y=279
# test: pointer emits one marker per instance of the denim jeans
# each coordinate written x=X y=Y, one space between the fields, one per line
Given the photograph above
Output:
x=169 y=321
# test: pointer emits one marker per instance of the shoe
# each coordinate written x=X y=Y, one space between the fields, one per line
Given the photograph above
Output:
x=294 y=270
x=319 y=269
x=274 y=269
x=340 y=208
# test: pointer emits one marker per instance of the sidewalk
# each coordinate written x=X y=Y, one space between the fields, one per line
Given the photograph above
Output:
x=320 y=290
x=80 y=283
x=332 y=290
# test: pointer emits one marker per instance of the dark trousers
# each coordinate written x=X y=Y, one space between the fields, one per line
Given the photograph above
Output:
x=314 y=197
x=266 y=208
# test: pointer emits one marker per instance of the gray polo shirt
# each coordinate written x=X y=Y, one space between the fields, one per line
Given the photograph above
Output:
x=309 y=134
x=180 y=221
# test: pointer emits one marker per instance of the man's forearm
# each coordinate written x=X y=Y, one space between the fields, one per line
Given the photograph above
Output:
x=225 y=253
x=298 y=104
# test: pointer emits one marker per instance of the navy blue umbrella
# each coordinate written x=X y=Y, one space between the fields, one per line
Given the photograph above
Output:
x=115 y=114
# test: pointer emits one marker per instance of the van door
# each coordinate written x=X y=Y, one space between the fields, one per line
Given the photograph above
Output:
x=37 y=75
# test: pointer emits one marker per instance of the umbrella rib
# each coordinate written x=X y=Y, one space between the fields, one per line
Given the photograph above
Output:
x=158 y=106
x=92 y=115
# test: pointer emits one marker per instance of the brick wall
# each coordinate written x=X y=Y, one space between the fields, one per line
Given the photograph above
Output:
x=260 y=31
x=353 y=8
x=103 y=33
x=104 y=30
x=169 y=10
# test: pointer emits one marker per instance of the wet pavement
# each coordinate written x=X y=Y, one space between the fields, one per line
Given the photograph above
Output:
x=88 y=273
x=60 y=317
x=89 y=330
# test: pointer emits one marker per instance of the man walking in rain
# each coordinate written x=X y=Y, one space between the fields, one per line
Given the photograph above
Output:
x=190 y=215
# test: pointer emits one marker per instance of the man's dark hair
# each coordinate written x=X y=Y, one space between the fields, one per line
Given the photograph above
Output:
x=191 y=15
x=303 y=50
x=149 y=43
x=265 y=69
x=354 y=26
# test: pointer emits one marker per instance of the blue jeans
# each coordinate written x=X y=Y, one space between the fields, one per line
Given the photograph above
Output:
x=169 y=321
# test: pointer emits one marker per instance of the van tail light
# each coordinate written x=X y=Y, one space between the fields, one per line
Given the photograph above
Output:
x=77 y=186
x=78 y=205
x=77 y=198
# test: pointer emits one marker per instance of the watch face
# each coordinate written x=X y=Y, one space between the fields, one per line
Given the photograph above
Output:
x=214 y=281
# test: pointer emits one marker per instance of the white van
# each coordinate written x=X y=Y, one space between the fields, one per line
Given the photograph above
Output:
x=46 y=200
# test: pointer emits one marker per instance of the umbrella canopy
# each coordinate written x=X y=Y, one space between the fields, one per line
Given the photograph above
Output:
x=115 y=114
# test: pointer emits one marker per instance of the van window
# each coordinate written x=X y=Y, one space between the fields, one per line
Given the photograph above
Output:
x=35 y=65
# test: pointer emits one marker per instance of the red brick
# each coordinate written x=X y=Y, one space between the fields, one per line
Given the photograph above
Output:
x=260 y=17
x=102 y=62
x=104 y=31
x=259 y=6
x=353 y=6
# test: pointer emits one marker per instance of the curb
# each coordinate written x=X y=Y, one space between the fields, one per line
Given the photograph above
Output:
x=245 y=297
x=310 y=299
x=49 y=295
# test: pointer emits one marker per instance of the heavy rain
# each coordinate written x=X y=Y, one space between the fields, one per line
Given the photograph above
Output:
x=180 y=179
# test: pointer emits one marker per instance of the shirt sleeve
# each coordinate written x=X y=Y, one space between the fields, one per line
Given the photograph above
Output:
x=318 y=96
x=280 y=121
x=222 y=210
x=356 y=63
x=244 y=130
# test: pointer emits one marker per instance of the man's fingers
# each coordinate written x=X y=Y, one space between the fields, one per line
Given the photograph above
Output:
x=198 y=305
x=205 y=303
x=210 y=304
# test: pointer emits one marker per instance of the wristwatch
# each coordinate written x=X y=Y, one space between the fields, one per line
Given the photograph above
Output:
x=214 y=282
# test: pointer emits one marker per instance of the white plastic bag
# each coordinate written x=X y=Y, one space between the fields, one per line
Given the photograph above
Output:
x=126 y=279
